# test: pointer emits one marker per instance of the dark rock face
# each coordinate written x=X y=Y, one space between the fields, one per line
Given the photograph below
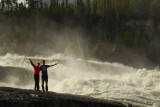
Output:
x=20 y=76
x=12 y=97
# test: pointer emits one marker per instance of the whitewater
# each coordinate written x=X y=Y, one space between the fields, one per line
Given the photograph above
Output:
x=92 y=78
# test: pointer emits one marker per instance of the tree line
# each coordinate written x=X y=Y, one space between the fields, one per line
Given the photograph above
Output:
x=129 y=22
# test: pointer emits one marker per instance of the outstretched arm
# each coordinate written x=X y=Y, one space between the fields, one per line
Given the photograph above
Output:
x=31 y=62
x=54 y=64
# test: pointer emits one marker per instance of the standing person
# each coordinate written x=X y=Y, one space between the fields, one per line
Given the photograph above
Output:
x=45 y=74
x=36 y=74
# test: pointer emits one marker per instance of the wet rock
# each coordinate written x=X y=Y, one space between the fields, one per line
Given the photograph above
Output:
x=13 y=97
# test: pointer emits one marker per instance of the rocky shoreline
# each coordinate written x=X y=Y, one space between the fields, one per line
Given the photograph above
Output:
x=14 y=97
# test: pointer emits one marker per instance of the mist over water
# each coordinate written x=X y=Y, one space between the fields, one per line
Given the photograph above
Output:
x=71 y=35
x=88 y=77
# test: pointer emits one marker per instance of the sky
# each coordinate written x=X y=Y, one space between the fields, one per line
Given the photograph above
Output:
x=70 y=1
x=44 y=0
x=20 y=0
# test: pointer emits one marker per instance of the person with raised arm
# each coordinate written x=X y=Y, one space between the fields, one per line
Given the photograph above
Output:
x=45 y=74
x=36 y=74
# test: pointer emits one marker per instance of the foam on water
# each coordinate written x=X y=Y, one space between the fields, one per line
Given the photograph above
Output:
x=96 y=79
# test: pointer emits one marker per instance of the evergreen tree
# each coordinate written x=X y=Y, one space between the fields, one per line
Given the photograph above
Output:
x=88 y=7
x=14 y=4
x=8 y=3
x=2 y=4
x=66 y=3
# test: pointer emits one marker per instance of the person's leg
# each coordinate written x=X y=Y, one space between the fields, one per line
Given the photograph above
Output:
x=35 y=82
x=38 y=82
x=46 y=81
x=42 y=84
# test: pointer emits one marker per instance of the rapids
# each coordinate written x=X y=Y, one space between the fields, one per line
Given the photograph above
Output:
x=92 y=78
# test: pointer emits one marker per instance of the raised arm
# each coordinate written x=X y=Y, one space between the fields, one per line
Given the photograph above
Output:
x=31 y=62
x=53 y=64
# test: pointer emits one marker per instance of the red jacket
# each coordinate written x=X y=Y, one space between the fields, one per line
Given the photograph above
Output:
x=36 y=68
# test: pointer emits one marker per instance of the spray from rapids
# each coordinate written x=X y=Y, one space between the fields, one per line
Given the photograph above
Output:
x=93 y=78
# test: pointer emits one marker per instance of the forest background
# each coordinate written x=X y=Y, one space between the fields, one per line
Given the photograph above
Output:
x=125 y=31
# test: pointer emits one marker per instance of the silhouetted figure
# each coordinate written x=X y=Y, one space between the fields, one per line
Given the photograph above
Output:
x=45 y=74
x=36 y=74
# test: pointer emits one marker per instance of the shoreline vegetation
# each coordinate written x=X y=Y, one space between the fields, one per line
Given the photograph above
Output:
x=125 y=31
